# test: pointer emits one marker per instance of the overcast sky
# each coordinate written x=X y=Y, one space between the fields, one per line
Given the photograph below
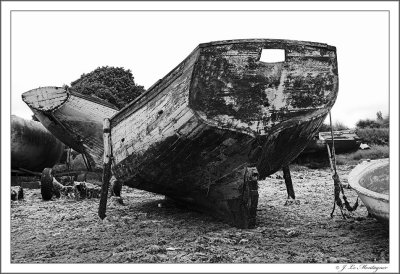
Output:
x=55 y=48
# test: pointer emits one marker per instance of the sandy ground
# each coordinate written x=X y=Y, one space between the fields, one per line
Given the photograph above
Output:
x=150 y=229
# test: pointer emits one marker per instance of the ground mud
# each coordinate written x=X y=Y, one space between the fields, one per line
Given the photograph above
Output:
x=150 y=229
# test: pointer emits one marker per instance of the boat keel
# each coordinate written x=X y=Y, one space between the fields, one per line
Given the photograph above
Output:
x=239 y=192
x=245 y=216
x=232 y=199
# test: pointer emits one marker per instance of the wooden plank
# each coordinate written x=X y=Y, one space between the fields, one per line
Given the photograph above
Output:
x=45 y=99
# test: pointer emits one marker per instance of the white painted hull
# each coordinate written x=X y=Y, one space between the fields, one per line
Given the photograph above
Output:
x=371 y=181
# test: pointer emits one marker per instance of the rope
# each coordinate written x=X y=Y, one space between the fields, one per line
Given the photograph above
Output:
x=333 y=145
x=338 y=187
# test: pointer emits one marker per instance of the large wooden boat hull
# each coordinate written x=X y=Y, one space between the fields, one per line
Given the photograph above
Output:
x=33 y=147
x=195 y=133
x=371 y=182
x=73 y=118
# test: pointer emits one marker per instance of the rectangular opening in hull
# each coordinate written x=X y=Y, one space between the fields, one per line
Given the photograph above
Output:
x=272 y=55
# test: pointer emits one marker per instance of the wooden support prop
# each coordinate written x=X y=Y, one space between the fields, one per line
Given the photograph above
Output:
x=69 y=159
x=106 y=168
x=288 y=182
x=87 y=164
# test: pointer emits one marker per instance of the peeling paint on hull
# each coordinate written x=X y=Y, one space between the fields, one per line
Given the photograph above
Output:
x=192 y=135
x=75 y=119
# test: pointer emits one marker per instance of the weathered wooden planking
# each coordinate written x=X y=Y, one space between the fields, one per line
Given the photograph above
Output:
x=46 y=98
x=232 y=89
x=149 y=121
x=76 y=121
x=194 y=133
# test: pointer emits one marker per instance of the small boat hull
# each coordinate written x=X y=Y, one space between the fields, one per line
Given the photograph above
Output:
x=73 y=118
x=345 y=141
x=371 y=182
x=33 y=147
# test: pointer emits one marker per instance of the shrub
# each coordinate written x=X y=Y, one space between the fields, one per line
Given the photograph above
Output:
x=339 y=126
x=336 y=126
x=380 y=122
x=112 y=84
x=368 y=123
x=385 y=122
x=374 y=136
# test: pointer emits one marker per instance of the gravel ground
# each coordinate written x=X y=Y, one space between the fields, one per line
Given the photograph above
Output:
x=150 y=229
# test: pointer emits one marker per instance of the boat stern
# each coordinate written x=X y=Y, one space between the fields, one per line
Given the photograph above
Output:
x=45 y=98
x=235 y=88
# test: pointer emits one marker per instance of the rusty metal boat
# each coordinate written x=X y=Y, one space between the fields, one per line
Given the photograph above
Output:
x=74 y=118
x=33 y=147
x=220 y=120
x=370 y=180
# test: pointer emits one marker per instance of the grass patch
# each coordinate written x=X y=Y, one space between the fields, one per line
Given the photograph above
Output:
x=321 y=160
x=376 y=152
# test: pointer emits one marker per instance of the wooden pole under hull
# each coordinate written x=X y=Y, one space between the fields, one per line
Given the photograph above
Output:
x=288 y=182
x=106 y=169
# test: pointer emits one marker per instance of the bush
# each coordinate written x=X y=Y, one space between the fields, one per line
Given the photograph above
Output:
x=385 y=122
x=368 y=123
x=112 y=84
x=336 y=126
x=374 y=136
x=380 y=122
x=339 y=126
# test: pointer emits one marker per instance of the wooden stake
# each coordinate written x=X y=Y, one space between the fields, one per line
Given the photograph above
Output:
x=69 y=159
x=106 y=168
x=288 y=182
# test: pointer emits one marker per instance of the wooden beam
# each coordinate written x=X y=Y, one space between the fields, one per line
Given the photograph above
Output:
x=106 y=168
x=288 y=182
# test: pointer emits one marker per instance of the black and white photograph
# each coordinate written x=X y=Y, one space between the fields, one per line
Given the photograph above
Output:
x=183 y=136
